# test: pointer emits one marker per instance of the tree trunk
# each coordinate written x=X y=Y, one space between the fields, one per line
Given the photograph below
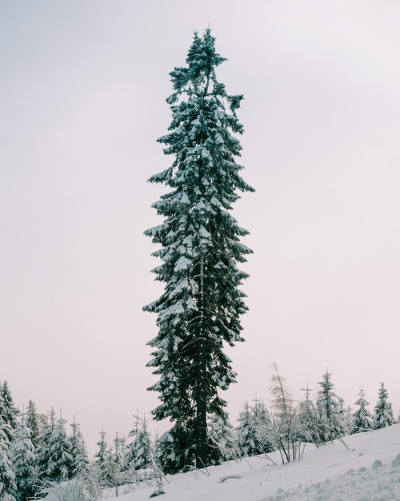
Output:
x=201 y=404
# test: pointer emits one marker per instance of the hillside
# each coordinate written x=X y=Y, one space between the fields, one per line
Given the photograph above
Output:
x=364 y=472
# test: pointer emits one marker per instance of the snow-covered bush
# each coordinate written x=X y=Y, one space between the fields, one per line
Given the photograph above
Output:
x=72 y=490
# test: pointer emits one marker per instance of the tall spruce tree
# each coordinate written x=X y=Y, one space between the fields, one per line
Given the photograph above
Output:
x=200 y=308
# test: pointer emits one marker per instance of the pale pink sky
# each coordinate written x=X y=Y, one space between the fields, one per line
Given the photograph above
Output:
x=83 y=88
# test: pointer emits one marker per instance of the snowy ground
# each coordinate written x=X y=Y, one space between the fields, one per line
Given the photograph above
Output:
x=364 y=472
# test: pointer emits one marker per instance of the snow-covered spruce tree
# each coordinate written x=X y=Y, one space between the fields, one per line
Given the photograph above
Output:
x=62 y=448
x=246 y=432
x=331 y=418
x=130 y=450
x=362 y=418
x=80 y=460
x=253 y=430
x=344 y=418
x=101 y=459
x=383 y=412
x=54 y=458
x=223 y=439
x=201 y=304
x=8 y=486
x=32 y=421
x=119 y=450
x=262 y=426
x=111 y=470
x=140 y=451
x=117 y=455
x=23 y=460
x=8 y=411
x=108 y=463
x=307 y=420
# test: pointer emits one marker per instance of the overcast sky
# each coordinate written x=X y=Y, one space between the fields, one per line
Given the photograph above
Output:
x=83 y=87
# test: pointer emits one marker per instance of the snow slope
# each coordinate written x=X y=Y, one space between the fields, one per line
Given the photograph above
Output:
x=364 y=472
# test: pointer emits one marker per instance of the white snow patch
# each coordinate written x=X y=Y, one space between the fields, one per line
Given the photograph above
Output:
x=204 y=233
x=182 y=264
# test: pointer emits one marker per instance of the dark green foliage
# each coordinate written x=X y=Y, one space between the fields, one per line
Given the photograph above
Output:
x=175 y=450
x=200 y=245
x=157 y=492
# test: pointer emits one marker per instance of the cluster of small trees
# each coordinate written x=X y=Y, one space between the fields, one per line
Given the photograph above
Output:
x=118 y=463
x=287 y=426
x=37 y=453
x=36 y=450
